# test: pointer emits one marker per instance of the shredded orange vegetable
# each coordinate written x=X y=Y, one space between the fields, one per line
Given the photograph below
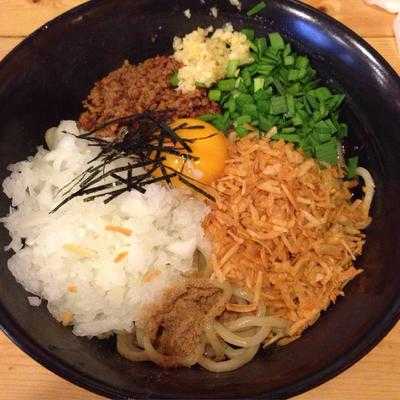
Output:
x=284 y=228
x=120 y=256
x=72 y=288
x=66 y=318
x=79 y=250
x=119 y=229
x=150 y=275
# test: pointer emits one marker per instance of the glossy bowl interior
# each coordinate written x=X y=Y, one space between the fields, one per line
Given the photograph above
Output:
x=45 y=79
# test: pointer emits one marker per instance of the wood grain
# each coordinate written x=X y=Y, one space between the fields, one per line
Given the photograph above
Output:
x=386 y=46
x=366 y=21
x=7 y=44
x=21 y=378
x=21 y=17
x=377 y=376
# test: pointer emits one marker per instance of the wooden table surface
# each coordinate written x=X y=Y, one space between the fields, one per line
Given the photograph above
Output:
x=377 y=376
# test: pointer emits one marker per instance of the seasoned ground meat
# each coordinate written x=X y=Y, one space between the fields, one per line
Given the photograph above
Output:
x=136 y=88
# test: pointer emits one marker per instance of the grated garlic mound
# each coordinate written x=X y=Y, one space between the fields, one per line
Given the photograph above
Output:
x=205 y=58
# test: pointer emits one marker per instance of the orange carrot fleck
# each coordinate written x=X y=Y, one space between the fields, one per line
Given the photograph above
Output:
x=120 y=256
x=119 y=229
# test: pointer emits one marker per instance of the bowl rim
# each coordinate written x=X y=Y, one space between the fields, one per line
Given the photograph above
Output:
x=392 y=315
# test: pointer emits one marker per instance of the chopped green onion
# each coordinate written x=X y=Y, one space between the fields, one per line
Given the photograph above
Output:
x=258 y=83
x=290 y=105
x=263 y=106
x=261 y=94
x=294 y=89
x=297 y=121
x=249 y=33
x=276 y=40
x=288 y=50
x=256 y=9
x=232 y=68
x=288 y=60
x=302 y=62
x=244 y=119
x=221 y=122
x=253 y=47
x=289 y=130
x=174 y=80
x=266 y=124
x=251 y=110
x=289 y=137
x=241 y=130
x=214 y=95
x=324 y=137
x=280 y=89
x=207 y=117
x=246 y=76
x=226 y=85
x=322 y=93
x=342 y=131
x=265 y=69
x=261 y=44
x=325 y=127
x=243 y=99
x=351 y=166
x=278 y=105
x=327 y=152
x=231 y=105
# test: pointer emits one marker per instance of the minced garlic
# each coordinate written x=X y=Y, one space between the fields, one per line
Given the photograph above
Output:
x=205 y=58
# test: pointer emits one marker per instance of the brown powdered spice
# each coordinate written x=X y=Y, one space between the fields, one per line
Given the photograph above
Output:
x=175 y=325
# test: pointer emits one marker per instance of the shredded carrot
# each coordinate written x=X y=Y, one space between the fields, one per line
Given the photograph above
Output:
x=66 y=318
x=72 y=288
x=120 y=256
x=119 y=229
x=79 y=250
x=150 y=275
x=291 y=231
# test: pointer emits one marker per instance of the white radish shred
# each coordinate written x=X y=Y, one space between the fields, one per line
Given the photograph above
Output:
x=96 y=264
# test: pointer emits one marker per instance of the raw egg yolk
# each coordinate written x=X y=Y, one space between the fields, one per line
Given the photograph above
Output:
x=208 y=145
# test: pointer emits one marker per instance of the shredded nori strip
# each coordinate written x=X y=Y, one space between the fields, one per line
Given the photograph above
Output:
x=196 y=188
x=144 y=139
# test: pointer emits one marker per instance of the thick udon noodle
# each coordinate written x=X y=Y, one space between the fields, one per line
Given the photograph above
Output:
x=215 y=352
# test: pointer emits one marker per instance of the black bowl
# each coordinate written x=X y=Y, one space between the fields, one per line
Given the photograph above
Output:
x=46 y=78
